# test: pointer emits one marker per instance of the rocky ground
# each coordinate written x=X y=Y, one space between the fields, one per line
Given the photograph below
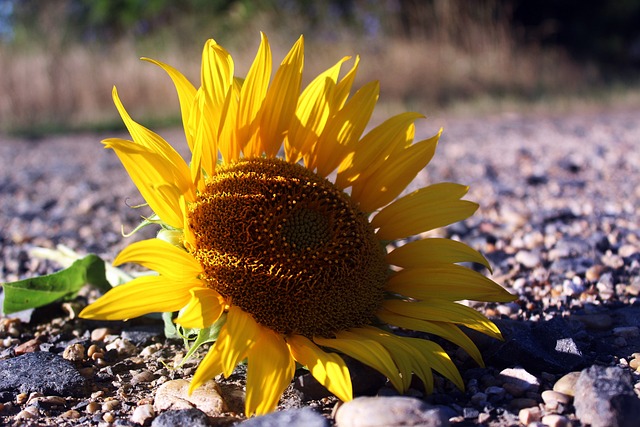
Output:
x=558 y=220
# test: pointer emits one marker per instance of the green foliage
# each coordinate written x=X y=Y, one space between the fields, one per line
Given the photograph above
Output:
x=605 y=31
x=65 y=284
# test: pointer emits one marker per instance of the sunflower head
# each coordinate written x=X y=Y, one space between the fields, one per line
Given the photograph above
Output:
x=278 y=226
x=307 y=258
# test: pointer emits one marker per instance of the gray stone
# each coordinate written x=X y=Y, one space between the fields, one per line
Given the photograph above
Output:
x=604 y=397
x=528 y=259
x=175 y=395
x=142 y=335
x=389 y=412
x=521 y=378
x=184 y=417
x=304 y=417
x=42 y=372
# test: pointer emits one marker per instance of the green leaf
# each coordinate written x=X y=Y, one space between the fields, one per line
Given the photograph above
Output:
x=170 y=330
x=43 y=290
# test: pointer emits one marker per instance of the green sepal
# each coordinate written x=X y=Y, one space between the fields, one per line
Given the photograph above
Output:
x=64 y=284
x=170 y=329
x=203 y=336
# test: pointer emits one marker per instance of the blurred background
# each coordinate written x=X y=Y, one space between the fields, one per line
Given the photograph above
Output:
x=60 y=58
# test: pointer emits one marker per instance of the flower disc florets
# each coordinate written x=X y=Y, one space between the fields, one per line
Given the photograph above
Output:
x=288 y=247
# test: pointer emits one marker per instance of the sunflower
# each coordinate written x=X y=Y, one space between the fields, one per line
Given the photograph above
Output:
x=288 y=227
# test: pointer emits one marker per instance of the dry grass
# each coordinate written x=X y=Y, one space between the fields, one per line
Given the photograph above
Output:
x=460 y=60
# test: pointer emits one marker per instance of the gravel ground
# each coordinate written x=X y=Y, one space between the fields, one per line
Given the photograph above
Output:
x=558 y=220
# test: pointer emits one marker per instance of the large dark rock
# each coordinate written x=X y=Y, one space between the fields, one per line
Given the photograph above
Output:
x=184 y=417
x=554 y=346
x=42 y=372
x=604 y=397
x=305 y=417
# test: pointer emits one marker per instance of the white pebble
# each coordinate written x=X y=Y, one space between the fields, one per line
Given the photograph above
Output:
x=142 y=414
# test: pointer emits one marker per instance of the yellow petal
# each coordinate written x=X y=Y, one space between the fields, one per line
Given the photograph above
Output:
x=281 y=100
x=208 y=368
x=422 y=199
x=371 y=151
x=236 y=338
x=269 y=372
x=252 y=97
x=444 y=311
x=438 y=359
x=447 y=331
x=144 y=295
x=186 y=94
x=205 y=145
x=311 y=116
x=393 y=176
x=343 y=88
x=434 y=250
x=328 y=368
x=345 y=128
x=228 y=144
x=216 y=74
x=407 y=357
x=156 y=144
x=366 y=351
x=163 y=257
x=423 y=210
x=154 y=177
x=446 y=281
x=204 y=308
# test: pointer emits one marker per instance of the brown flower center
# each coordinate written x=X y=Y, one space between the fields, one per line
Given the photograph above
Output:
x=288 y=247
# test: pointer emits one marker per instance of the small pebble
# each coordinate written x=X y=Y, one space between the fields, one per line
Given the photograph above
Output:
x=593 y=273
x=92 y=350
x=520 y=378
x=483 y=418
x=97 y=394
x=124 y=347
x=479 y=399
x=495 y=392
x=93 y=407
x=470 y=413
x=71 y=414
x=27 y=413
x=110 y=405
x=528 y=259
x=626 y=331
x=555 y=420
x=142 y=414
x=553 y=398
x=99 y=334
x=175 y=395
x=150 y=350
x=27 y=347
x=529 y=415
x=390 y=411
x=74 y=352
x=572 y=287
x=21 y=398
x=108 y=417
x=142 y=377
x=567 y=383
x=33 y=396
